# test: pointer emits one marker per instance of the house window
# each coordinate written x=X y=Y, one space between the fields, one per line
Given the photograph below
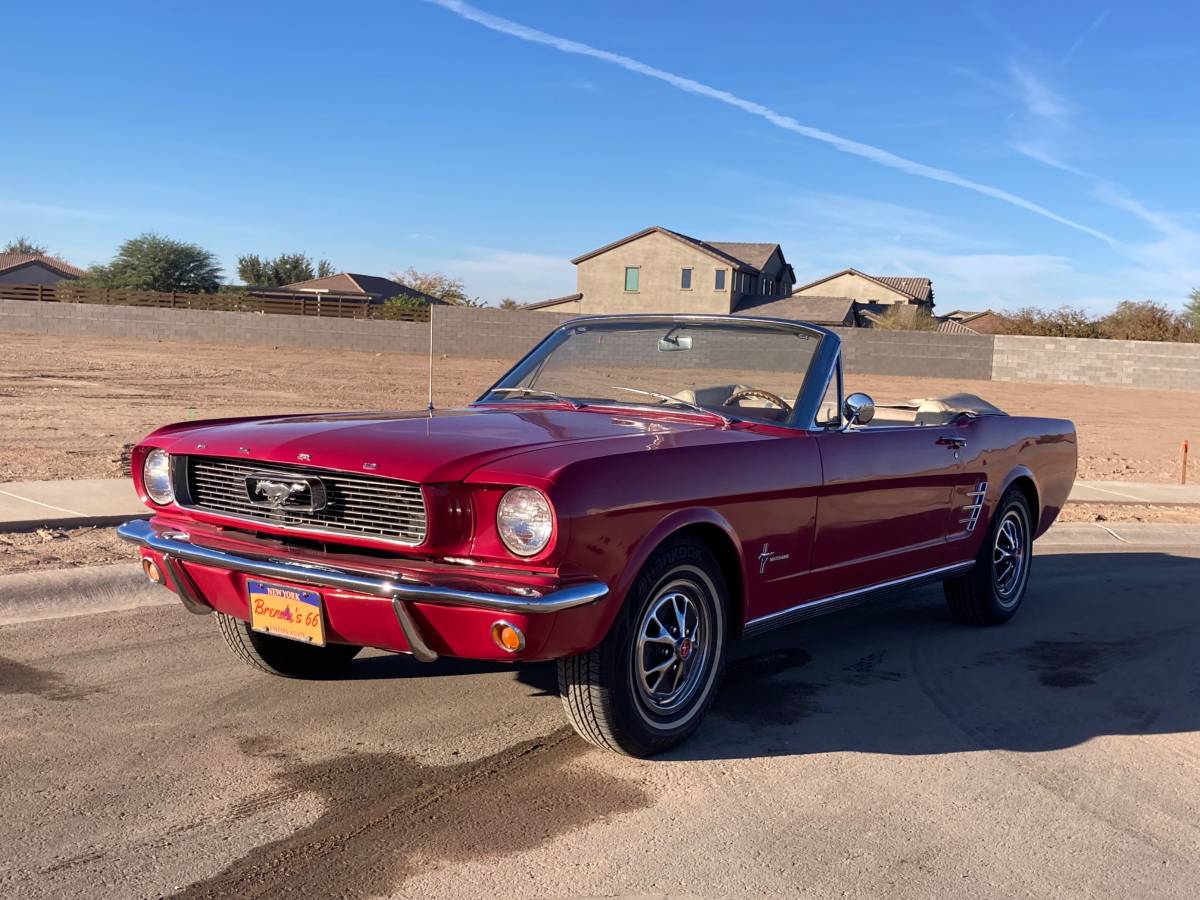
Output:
x=632 y=274
x=719 y=284
x=685 y=279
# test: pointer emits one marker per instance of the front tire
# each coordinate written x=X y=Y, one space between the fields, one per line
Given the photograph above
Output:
x=646 y=687
x=280 y=656
x=991 y=593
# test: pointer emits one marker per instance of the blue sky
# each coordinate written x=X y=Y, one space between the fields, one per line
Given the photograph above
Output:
x=1017 y=153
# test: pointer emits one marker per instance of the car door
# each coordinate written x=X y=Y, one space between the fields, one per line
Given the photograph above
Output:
x=883 y=512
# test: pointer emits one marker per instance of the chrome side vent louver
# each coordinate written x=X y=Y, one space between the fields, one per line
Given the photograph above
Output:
x=975 y=507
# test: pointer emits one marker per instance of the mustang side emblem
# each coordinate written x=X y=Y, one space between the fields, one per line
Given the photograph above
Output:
x=301 y=494
x=768 y=557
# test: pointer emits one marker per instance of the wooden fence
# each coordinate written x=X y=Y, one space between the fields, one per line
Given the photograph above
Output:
x=288 y=303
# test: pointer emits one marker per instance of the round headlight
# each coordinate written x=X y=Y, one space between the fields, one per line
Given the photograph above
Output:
x=156 y=475
x=525 y=521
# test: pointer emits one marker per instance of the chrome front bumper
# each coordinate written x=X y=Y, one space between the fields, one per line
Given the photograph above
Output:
x=177 y=545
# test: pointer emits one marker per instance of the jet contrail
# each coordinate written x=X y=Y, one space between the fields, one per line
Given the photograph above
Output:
x=875 y=154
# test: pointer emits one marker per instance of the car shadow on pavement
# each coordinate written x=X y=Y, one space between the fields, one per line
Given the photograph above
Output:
x=1105 y=644
x=383 y=665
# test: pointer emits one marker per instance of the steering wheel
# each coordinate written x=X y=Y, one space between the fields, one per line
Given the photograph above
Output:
x=760 y=395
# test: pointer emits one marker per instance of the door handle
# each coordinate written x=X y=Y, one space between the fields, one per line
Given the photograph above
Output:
x=953 y=443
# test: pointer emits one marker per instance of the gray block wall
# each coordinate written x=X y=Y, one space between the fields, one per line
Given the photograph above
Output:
x=1146 y=364
x=916 y=353
x=502 y=334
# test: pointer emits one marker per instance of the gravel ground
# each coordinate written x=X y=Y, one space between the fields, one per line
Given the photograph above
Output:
x=71 y=403
x=1105 y=512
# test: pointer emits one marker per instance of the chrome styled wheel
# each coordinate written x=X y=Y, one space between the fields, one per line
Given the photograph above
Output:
x=673 y=648
x=646 y=686
x=992 y=591
x=1009 y=552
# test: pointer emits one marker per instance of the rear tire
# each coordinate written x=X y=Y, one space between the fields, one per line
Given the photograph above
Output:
x=646 y=687
x=280 y=656
x=992 y=591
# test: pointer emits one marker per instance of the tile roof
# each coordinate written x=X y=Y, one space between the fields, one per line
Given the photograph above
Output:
x=815 y=310
x=16 y=260
x=353 y=283
x=953 y=326
x=918 y=288
x=745 y=257
x=915 y=288
x=755 y=255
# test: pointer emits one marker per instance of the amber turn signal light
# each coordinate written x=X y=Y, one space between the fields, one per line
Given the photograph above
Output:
x=508 y=636
x=152 y=570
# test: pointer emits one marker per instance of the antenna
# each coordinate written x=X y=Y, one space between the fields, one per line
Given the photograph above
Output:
x=430 y=408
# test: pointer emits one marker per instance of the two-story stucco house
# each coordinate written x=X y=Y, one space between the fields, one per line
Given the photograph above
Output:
x=658 y=270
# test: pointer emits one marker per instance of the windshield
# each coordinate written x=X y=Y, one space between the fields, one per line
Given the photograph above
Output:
x=727 y=370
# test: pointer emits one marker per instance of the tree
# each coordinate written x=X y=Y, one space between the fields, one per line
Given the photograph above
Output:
x=1192 y=309
x=23 y=245
x=509 y=303
x=255 y=271
x=451 y=290
x=286 y=268
x=151 y=262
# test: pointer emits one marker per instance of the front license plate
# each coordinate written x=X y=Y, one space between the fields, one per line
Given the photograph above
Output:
x=286 y=612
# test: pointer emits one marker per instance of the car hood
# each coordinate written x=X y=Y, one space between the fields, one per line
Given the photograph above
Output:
x=414 y=446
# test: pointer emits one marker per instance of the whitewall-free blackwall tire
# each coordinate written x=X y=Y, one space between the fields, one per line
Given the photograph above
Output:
x=646 y=687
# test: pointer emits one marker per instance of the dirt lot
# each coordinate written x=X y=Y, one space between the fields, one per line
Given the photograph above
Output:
x=70 y=403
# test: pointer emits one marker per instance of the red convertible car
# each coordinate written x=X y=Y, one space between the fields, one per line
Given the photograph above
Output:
x=634 y=494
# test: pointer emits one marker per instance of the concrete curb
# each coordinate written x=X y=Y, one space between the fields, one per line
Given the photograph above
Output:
x=1129 y=493
x=76 y=522
x=1120 y=536
x=61 y=593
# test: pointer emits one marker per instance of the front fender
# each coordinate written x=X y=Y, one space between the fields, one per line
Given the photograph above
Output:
x=676 y=521
x=621 y=581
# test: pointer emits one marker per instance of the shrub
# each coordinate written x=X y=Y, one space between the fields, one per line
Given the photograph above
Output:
x=903 y=317
x=1146 y=321
x=1066 y=321
x=403 y=308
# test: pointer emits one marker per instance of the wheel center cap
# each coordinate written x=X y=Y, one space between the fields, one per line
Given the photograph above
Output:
x=684 y=649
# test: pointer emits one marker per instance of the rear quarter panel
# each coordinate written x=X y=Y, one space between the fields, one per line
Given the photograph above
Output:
x=1003 y=449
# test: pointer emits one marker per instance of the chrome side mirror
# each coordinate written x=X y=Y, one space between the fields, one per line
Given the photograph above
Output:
x=859 y=409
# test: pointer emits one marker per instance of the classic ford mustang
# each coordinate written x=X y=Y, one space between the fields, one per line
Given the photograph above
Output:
x=631 y=496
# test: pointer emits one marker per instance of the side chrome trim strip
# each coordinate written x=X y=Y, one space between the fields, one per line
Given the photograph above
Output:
x=179 y=547
x=836 y=602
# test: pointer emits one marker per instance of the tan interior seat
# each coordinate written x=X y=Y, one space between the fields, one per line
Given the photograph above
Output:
x=718 y=394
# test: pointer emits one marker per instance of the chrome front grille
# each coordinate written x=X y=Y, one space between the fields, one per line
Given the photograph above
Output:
x=363 y=505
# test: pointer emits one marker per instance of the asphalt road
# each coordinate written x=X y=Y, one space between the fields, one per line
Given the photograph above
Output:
x=884 y=751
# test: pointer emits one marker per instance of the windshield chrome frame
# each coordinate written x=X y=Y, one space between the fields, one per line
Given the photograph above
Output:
x=824 y=365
